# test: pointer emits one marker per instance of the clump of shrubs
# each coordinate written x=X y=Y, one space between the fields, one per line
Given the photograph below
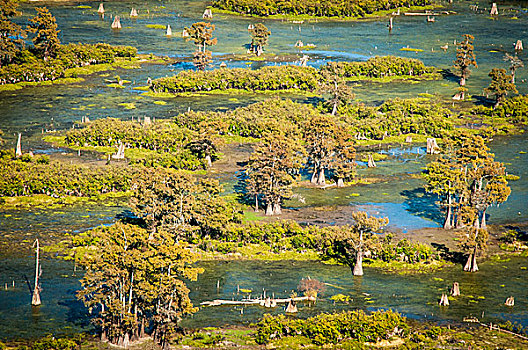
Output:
x=334 y=328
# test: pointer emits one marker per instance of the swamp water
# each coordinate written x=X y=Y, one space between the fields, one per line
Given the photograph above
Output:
x=32 y=110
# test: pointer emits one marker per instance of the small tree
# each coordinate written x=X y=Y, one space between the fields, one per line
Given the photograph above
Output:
x=334 y=85
x=515 y=62
x=465 y=57
x=202 y=35
x=272 y=168
x=347 y=244
x=260 y=34
x=46 y=40
x=11 y=34
x=500 y=85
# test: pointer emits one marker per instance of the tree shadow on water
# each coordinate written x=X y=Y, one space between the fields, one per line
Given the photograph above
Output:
x=422 y=204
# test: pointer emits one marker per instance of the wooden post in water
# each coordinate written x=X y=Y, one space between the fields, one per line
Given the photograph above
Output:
x=18 y=150
x=35 y=300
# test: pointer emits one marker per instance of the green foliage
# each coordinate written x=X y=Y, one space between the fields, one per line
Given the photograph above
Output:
x=46 y=40
x=134 y=278
x=28 y=67
x=465 y=57
x=399 y=117
x=264 y=79
x=514 y=109
x=51 y=343
x=333 y=328
x=37 y=175
x=202 y=35
x=178 y=202
x=378 y=67
x=260 y=34
x=171 y=145
x=330 y=8
x=501 y=84
x=253 y=121
x=11 y=34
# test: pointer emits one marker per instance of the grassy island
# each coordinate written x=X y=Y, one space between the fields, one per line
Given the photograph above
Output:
x=316 y=9
x=289 y=78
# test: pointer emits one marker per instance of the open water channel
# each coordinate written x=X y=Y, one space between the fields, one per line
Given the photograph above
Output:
x=32 y=110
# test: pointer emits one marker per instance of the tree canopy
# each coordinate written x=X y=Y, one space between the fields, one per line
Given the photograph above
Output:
x=11 y=34
x=465 y=57
x=46 y=38
x=134 y=280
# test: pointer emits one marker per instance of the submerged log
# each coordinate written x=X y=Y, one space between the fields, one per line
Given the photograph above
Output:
x=455 y=290
x=258 y=301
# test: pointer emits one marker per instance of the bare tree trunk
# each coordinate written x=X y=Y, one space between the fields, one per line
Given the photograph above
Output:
x=277 y=209
x=321 y=178
x=269 y=209
x=334 y=109
x=447 y=222
x=358 y=267
x=483 y=223
x=471 y=264
x=35 y=300
x=467 y=267
x=256 y=204
x=340 y=183
x=208 y=160
x=462 y=81
x=314 y=175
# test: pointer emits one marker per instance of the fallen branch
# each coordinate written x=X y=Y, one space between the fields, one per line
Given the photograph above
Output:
x=218 y=302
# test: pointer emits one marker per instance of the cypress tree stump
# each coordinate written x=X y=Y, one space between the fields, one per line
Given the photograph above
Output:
x=455 y=290
x=510 y=301
x=371 y=163
x=494 y=10
x=101 y=9
x=519 y=45
x=444 y=301
x=292 y=307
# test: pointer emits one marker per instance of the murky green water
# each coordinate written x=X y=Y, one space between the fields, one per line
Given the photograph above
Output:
x=32 y=110
x=483 y=293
